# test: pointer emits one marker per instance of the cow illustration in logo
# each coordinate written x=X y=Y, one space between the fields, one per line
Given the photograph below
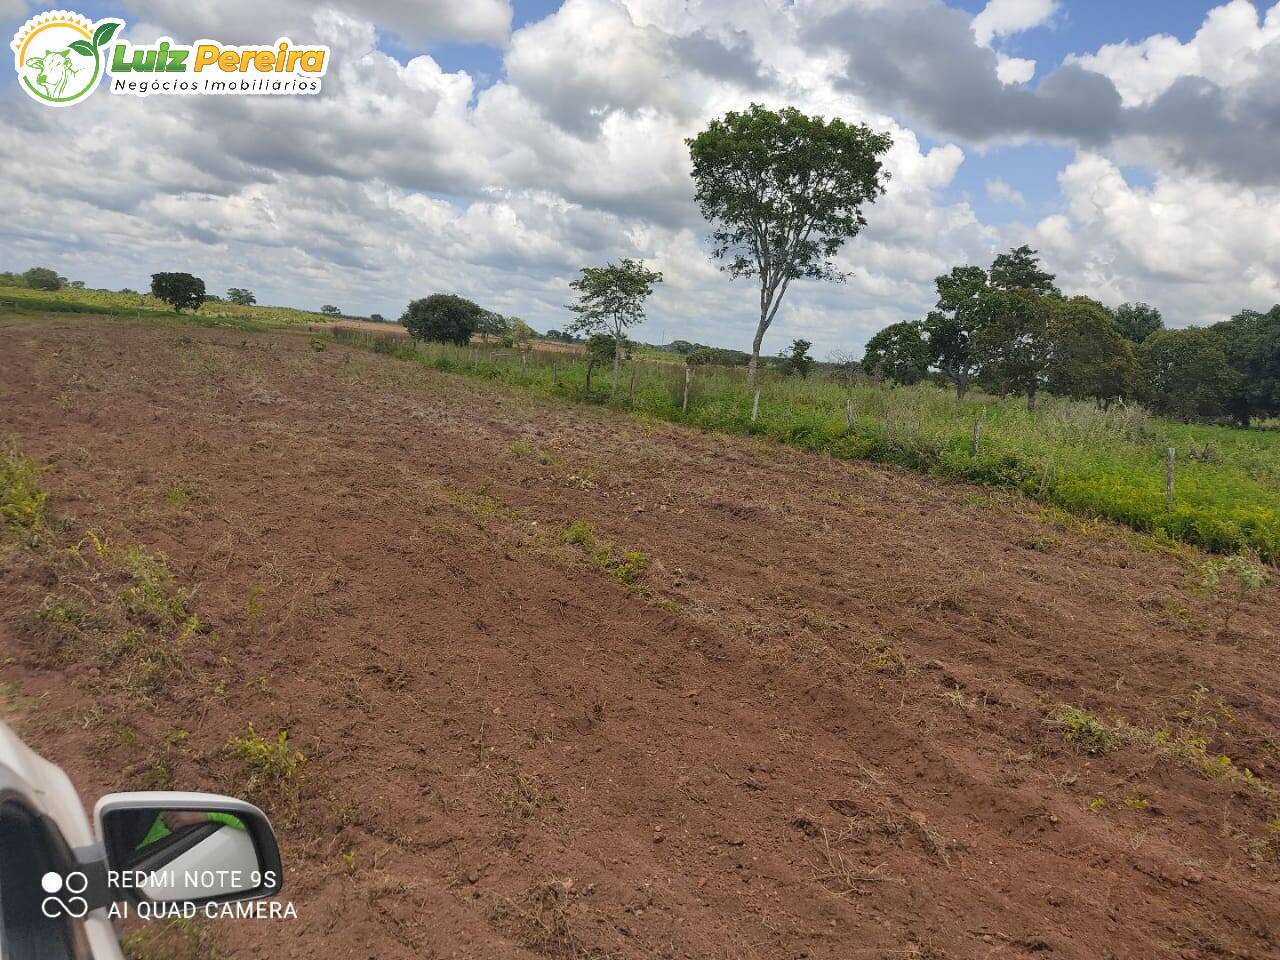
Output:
x=59 y=56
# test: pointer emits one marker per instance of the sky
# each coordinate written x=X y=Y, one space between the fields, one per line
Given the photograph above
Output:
x=492 y=149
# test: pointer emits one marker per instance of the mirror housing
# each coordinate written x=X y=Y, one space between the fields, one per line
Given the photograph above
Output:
x=177 y=847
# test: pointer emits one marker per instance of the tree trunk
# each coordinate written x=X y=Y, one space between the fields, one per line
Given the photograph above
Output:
x=754 y=363
x=1031 y=400
x=617 y=360
x=590 y=364
x=962 y=386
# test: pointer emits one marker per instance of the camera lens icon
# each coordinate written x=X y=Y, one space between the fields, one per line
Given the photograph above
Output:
x=73 y=905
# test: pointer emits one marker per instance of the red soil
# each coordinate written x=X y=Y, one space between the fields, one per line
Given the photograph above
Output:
x=814 y=727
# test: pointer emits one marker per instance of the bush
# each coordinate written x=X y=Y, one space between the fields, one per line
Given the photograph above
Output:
x=442 y=318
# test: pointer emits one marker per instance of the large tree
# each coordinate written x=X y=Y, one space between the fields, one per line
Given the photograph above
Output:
x=178 y=289
x=241 y=296
x=611 y=299
x=951 y=328
x=1186 y=373
x=783 y=191
x=1137 y=321
x=898 y=353
x=1090 y=358
x=1251 y=342
x=442 y=318
x=1013 y=344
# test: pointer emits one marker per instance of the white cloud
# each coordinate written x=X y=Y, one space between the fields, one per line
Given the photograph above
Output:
x=1014 y=70
x=404 y=178
x=1001 y=192
x=1197 y=249
x=1226 y=50
x=1000 y=18
x=241 y=21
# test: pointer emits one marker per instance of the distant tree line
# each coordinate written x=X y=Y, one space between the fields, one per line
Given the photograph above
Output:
x=1011 y=330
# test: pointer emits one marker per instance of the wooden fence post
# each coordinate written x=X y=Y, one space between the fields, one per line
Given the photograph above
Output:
x=524 y=361
x=755 y=407
x=977 y=437
x=684 y=406
x=555 y=374
x=1169 y=458
x=631 y=393
x=848 y=413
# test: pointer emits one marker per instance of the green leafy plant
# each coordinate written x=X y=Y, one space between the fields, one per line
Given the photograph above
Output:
x=270 y=764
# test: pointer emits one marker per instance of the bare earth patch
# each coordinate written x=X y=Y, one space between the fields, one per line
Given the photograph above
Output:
x=819 y=716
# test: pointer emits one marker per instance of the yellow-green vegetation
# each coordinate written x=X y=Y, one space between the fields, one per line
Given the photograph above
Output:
x=1229 y=581
x=22 y=499
x=153 y=648
x=1093 y=462
x=213 y=313
x=1186 y=744
x=177 y=939
x=628 y=567
x=271 y=766
x=1083 y=729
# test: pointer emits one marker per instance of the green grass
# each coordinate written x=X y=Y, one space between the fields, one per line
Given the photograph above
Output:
x=1106 y=464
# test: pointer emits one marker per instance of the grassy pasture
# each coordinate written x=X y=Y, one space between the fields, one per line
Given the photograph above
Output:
x=1096 y=463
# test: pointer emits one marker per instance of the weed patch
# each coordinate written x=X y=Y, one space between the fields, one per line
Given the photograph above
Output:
x=22 y=499
x=271 y=767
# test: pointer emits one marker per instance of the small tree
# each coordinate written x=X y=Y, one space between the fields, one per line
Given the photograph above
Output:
x=330 y=310
x=241 y=296
x=783 y=192
x=610 y=299
x=442 y=318
x=796 y=359
x=178 y=289
x=1137 y=321
x=518 y=333
x=951 y=329
x=898 y=353
x=42 y=278
x=377 y=318
x=491 y=325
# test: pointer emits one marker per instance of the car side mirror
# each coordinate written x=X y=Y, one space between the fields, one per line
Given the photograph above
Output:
x=196 y=848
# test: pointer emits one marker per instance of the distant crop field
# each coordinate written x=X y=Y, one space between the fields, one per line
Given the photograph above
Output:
x=143 y=304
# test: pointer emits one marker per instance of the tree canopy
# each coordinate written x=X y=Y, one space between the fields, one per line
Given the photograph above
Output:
x=178 y=289
x=1186 y=373
x=783 y=191
x=1137 y=321
x=898 y=353
x=442 y=318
